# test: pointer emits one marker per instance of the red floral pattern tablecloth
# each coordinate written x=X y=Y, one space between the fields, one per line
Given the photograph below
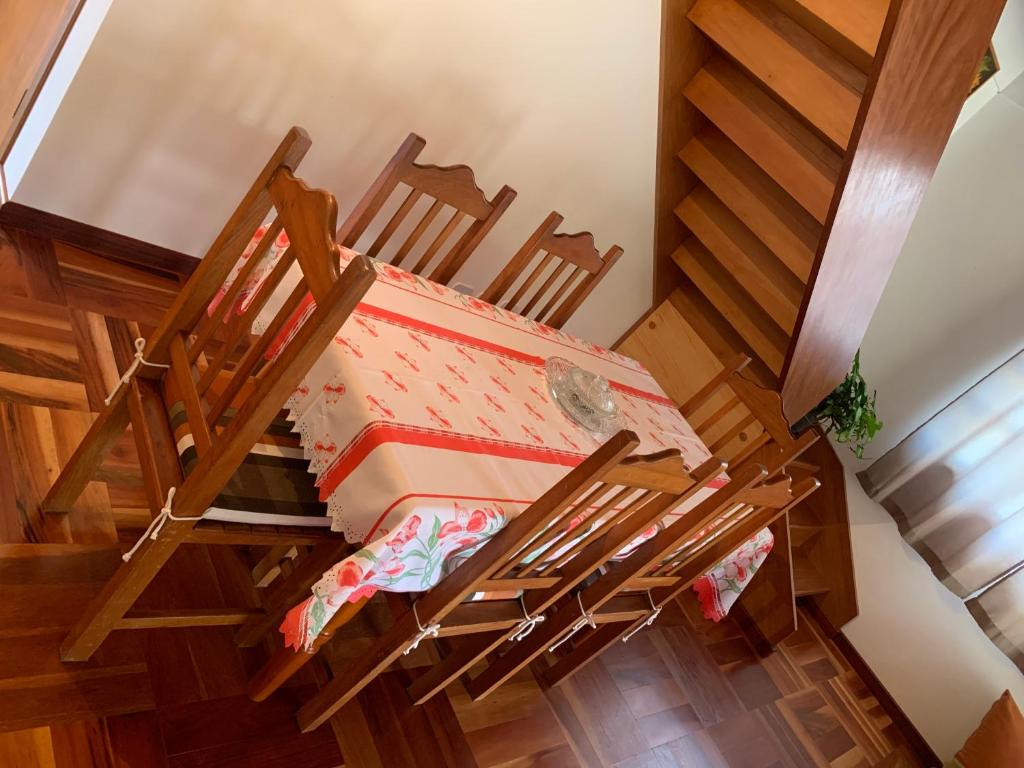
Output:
x=428 y=424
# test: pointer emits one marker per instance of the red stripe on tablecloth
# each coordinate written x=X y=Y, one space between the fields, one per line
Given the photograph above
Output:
x=450 y=496
x=397 y=318
x=715 y=484
x=379 y=433
x=437 y=331
x=393 y=283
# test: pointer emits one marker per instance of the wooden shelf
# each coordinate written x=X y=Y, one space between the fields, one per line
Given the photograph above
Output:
x=801 y=534
x=806 y=579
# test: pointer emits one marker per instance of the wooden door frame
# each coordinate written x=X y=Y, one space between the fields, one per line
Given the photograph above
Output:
x=28 y=100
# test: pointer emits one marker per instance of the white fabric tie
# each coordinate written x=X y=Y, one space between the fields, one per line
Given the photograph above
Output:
x=431 y=631
x=140 y=346
x=651 y=618
x=157 y=524
x=525 y=627
x=587 y=620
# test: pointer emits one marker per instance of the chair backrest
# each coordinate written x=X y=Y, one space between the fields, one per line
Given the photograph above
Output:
x=552 y=254
x=600 y=507
x=672 y=562
x=694 y=543
x=203 y=340
x=453 y=187
x=742 y=421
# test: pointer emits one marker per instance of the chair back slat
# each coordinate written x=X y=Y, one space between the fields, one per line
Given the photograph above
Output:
x=717 y=528
x=414 y=237
x=447 y=187
x=244 y=370
x=622 y=513
x=594 y=514
x=555 y=529
x=211 y=324
x=640 y=499
x=544 y=288
x=709 y=390
x=568 y=307
x=537 y=271
x=215 y=267
x=300 y=300
x=185 y=374
x=238 y=338
x=574 y=277
x=519 y=531
x=731 y=410
x=557 y=300
x=709 y=551
x=431 y=250
x=396 y=220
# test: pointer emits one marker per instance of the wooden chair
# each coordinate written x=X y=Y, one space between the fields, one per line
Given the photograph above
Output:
x=674 y=561
x=216 y=381
x=553 y=253
x=453 y=186
x=540 y=554
x=730 y=408
x=652 y=575
x=744 y=423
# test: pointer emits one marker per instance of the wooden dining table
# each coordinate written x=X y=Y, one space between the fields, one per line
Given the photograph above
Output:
x=428 y=423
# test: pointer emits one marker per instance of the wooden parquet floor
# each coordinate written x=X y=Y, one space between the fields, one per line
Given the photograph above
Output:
x=686 y=693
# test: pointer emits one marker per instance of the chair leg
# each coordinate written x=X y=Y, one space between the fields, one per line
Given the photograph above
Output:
x=358 y=674
x=592 y=646
x=452 y=666
x=292 y=590
x=80 y=469
x=525 y=651
x=286 y=662
x=102 y=615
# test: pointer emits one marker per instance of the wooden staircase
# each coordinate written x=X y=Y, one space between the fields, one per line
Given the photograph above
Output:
x=777 y=100
x=796 y=139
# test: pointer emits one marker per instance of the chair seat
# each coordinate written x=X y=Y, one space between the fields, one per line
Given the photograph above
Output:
x=273 y=485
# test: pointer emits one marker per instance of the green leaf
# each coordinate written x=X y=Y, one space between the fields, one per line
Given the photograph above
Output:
x=849 y=413
x=316 y=613
x=432 y=541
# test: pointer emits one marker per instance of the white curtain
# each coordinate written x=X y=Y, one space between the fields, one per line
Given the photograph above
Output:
x=956 y=489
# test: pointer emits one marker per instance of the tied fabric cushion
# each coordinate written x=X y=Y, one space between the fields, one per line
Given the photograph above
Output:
x=999 y=741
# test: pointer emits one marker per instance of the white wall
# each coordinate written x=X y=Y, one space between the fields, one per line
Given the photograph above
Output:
x=952 y=310
x=951 y=313
x=917 y=637
x=178 y=104
x=1008 y=44
x=80 y=37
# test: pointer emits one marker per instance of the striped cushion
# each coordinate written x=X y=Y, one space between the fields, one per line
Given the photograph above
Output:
x=271 y=487
x=502 y=594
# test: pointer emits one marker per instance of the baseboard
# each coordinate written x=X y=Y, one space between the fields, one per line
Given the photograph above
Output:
x=102 y=242
x=915 y=740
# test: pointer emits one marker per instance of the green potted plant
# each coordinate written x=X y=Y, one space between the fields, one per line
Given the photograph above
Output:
x=848 y=413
